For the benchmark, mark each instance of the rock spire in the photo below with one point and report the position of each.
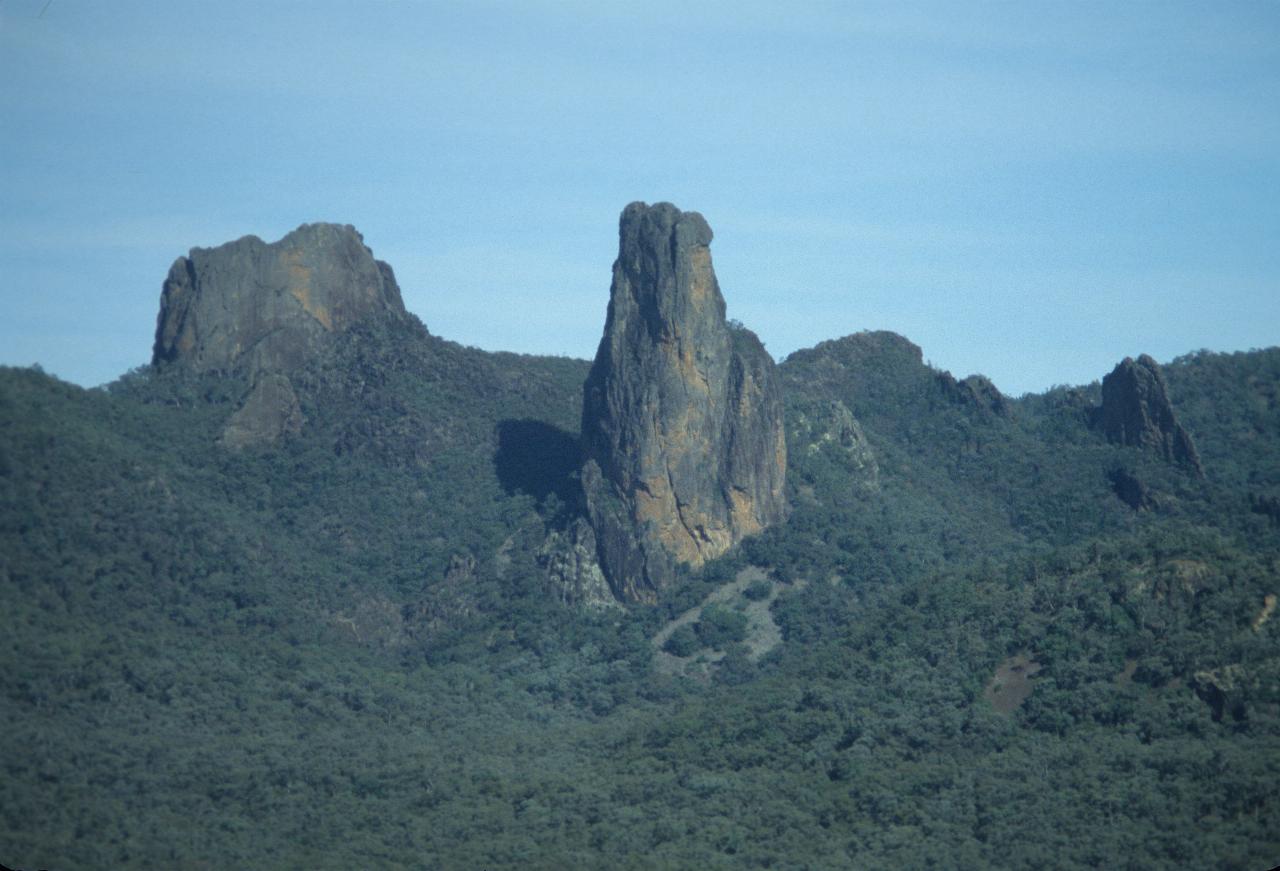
(682, 421)
(1136, 411)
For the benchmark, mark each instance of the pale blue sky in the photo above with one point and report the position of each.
(1028, 190)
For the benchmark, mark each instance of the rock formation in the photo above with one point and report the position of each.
(1136, 411)
(269, 412)
(830, 426)
(264, 310)
(253, 307)
(570, 559)
(975, 391)
(682, 428)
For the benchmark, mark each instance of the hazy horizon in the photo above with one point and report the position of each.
(1031, 192)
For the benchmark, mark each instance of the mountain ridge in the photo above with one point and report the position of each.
(376, 635)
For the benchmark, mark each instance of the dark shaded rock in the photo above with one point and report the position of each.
(569, 558)
(270, 412)
(1136, 411)
(1130, 490)
(682, 428)
(976, 392)
(254, 307)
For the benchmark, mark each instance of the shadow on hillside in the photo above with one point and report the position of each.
(537, 458)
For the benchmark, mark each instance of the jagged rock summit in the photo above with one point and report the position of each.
(254, 307)
(265, 310)
(1136, 411)
(682, 430)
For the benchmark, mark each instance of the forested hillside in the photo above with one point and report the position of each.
(986, 636)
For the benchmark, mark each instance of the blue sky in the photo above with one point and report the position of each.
(1030, 190)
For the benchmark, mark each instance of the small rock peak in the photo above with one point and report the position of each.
(253, 306)
(682, 416)
(1136, 411)
(644, 227)
(975, 391)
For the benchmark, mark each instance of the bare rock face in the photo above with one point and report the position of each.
(573, 568)
(254, 307)
(264, 311)
(270, 412)
(682, 420)
(1136, 411)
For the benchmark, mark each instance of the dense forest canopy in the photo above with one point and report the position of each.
(970, 644)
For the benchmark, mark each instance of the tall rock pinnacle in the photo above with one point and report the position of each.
(682, 421)
(1136, 411)
(256, 307)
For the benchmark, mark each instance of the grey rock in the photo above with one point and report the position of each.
(682, 419)
(270, 412)
(1130, 490)
(253, 307)
(975, 391)
(1136, 411)
(830, 427)
(570, 561)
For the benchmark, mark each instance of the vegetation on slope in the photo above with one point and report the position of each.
(340, 651)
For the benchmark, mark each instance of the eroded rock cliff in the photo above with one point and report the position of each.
(682, 420)
(1136, 411)
(264, 310)
(254, 307)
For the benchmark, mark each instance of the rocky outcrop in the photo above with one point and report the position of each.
(252, 307)
(682, 427)
(1136, 411)
(570, 559)
(1131, 491)
(818, 427)
(270, 412)
(975, 391)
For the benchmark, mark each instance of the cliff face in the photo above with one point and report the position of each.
(682, 421)
(264, 310)
(1136, 411)
(255, 307)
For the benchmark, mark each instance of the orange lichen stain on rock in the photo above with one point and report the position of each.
(300, 289)
(186, 341)
(699, 537)
(655, 504)
(703, 277)
(742, 512)
(1268, 606)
